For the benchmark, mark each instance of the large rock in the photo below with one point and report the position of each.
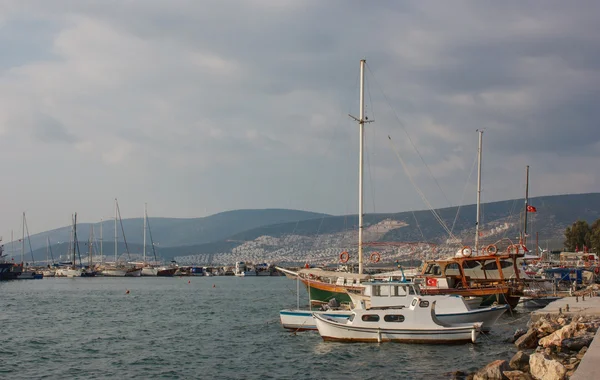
(517, 375)
(581, 353)
(547, 327)
(543, 368)
(518, 333)
(556, 338)
(492, 371)
(577, 343)
(520, 362)
(528, 340)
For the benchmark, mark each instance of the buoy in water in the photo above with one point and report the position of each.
(214, 286)
(127, 291)
(189, 281)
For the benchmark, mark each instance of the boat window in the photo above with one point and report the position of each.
(394, 318)
(452, 269)
(424, 304)
(376, 290)
(469, 264)
(429, 269)
(399, 291)
(491, 266)
(370, 318)
(351, 318)
(385, 290)
(506, 264)
(414, 302)
(411, 290)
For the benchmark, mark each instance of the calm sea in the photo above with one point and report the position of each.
(209, 328)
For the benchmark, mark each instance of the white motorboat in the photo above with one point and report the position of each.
(450, 309)
(149, 271)
(414, 324)
(133, 272)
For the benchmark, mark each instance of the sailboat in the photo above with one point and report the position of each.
(72, 270)
(325, 285)
(115, 270)
(49, 271)
(29, 273)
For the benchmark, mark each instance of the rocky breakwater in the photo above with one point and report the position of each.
(550, 348)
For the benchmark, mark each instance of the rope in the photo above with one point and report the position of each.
(423, 197)
(409, 138)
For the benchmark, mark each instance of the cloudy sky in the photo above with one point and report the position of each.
(198, 107)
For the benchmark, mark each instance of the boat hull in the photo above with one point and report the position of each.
(137, 272)
(303, 319)
(114, 273)
(149, 271)
(331, 330)
(167, 272)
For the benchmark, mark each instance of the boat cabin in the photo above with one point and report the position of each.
(385, 293)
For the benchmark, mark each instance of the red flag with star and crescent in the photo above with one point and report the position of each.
(530, 208)
(430, 281)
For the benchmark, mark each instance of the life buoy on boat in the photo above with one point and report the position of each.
(511, 248)
(344, 257)
(466, 251)
(375, 257)
(491, 249)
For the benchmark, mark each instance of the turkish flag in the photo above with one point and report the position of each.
(430, 281)
(531, 208)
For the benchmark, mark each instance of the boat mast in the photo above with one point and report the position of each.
(526, 204)
(23, 242)
(75, 238)
(145, 217)
(91, 243)
(478, 189)
(116, 231)
(101, 236)
(361, 127)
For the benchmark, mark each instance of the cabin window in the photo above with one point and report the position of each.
(429, 269)
(411, 290)
(424, 304)
(471, 264)
(399, 291)
(370, 318)
(506, 264)
(385, 291)
(414, 302)
(491, 266)
(351, 318)
(376, 290)
(394, 318)
(453, 269)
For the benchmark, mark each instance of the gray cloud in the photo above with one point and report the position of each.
(207, 95)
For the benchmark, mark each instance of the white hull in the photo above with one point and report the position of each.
(246, 273)
(149, 272)
(134, 273)
(114, 272)
(334, 331)
(48, 273)
(304, 320)
(62, 272)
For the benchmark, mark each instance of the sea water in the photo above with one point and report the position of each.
(200, 328)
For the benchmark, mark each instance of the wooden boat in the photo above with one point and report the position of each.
(415, 324)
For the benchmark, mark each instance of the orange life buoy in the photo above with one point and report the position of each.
(511, 247)
(375, 257)
(344, 257)
(491, 249)
(466, 251)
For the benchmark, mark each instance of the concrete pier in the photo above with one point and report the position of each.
(578, 306)
(571, 306)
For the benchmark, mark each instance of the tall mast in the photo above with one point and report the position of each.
(361, 127)
(23, 242)
(145, 217)
(91, 246)
(101, 236)
(478, 189)
(75, 238)
(47, 250)
(116, 231)
(526, 204)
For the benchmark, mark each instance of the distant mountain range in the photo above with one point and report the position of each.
(231, 232)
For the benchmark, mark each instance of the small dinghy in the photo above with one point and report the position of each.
(414, 324)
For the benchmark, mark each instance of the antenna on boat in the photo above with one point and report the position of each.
(480, 131)
(361, 123)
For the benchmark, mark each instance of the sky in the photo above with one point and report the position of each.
(198, 107)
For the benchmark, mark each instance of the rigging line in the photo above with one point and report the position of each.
(423, 197)
(29, 240)
(408, 136)
(123, 229)
(370, 177)
(463, 194)
(151, 240)
(418, 225)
